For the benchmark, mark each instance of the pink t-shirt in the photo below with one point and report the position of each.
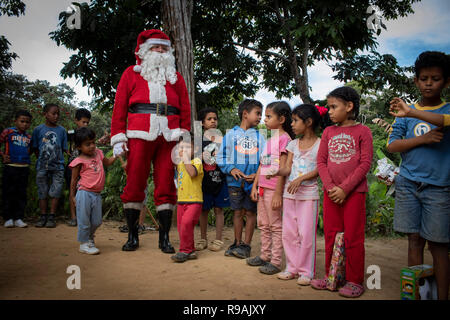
(270, 159)
(92, 174)
(303, 162)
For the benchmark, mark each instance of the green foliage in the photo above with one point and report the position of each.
(239, 46)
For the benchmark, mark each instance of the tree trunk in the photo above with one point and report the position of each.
(176, 15)
(301, 80)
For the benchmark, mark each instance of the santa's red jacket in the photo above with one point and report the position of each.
(133, 89)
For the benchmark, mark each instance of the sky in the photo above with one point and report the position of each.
(40, 57)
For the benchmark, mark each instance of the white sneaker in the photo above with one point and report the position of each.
(9, 224)
(85, 248)
(19, 223)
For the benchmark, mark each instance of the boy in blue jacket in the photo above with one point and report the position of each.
(238, 158)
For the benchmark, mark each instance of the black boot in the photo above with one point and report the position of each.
(132, 216)
(165, 221)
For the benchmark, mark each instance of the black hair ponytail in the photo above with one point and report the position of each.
(282, 108)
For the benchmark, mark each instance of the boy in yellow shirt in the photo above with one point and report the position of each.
(189, 198)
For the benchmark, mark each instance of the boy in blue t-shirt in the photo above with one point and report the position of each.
(16, 158)
(49, 141)
(421, 133)
(238, 158)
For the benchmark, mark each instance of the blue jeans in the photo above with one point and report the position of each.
(89, 214)
(422, 208)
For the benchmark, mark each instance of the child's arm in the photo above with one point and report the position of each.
(254, 193)
(191, 170)
(322, 160)
(396, 143)
(358, 173)
(295, 184)
(277, 199)
(398, 108)
(73, 182)
(109, 161)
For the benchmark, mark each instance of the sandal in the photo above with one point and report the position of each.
(201, 245)
(269, 268)
(123, 228)
(351, 290)
(319, 284)
(255, 261)
(304, 280)
(216, 245)
(286, 275)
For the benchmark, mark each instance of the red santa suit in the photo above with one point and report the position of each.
(150, 137)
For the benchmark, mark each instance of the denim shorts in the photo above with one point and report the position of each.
(422, 208)
(49, 183)
(239, 199)
(221, 200)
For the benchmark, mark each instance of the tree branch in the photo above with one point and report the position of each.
(269, 53)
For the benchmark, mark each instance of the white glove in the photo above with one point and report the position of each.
(119, 148)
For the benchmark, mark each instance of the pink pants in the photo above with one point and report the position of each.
(270, 224)
(350, 218)
(299, 235)
(187, 217)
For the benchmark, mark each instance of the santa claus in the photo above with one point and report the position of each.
(150, 111)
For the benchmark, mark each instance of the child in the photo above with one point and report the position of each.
(278, 119)
(238, 158)
(16, 158)
(82, 119)
(343, 160)
(189, 198)
(88, 174)
(301, 195)
(214, 185)
(49, 141)
(422, 189)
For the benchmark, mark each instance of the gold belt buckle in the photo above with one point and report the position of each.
(158, 110)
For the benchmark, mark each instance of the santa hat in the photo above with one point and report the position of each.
(153, 37)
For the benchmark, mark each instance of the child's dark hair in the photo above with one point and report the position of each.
(429, 59)
(82, 113)
(248, 105)
(24, 113)
(82, 134)
(347, 94)
(308, 111)
(48, 106)
(202, 113)
(187, 137)
(282, 108)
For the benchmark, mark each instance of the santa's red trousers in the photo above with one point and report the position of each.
(140, 156)
(187, 217)
(350, 218)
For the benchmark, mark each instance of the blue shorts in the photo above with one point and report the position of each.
(422, 208)
(221, 200)
(239, 199)
(49, 183)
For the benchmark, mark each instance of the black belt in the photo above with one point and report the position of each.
(161, 109)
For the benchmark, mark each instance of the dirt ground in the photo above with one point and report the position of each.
(34, 261)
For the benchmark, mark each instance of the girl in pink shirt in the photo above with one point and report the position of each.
(344, 158)
(88, 176)
(301, 195)
(270, 192)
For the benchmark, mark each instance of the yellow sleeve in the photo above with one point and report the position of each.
(446, 120)
(197, 163)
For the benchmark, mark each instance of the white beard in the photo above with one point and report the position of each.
(157, 67)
